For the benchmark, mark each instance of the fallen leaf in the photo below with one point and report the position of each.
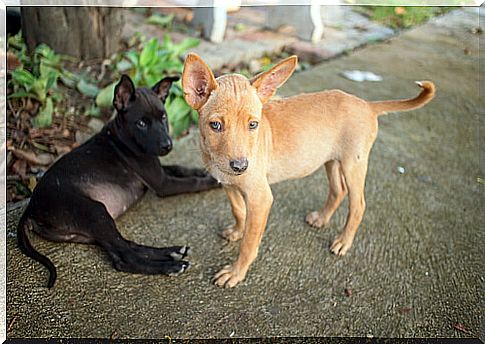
(400, 10)
(62, 149)
(12, 322)
(88, 89)
(404, 310)
(12, 61)
(66, 133)
(43, 159)
(460, 327)
(348, 292)
(19, 167)
(32, 183)
(476, 30)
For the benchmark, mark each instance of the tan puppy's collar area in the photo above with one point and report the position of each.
(263, 142)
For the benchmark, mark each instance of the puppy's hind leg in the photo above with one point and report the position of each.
(126, 255)
(336, 193)
(238, 207)
(90, 223)
(355, 173)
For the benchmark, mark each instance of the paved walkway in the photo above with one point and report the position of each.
(246, 38)
(416, 267)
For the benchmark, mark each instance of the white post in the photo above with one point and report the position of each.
(306, 19)
(212, 18)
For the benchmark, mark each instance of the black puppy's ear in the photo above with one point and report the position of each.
(124, 92)
(162, 87)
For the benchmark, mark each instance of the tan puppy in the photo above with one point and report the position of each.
(249, 142)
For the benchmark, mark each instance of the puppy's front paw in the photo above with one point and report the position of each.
(229, 277)
(177, 268)
(212, 182)
(232, 233)
(315, 219)
(200, 172)
(341, 245)
(181, 253)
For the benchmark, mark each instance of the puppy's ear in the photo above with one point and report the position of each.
(162, 87)
(124, 93)
(267, 82)
(197, 81)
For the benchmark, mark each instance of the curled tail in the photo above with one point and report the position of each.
(29, 250)
(428, 92)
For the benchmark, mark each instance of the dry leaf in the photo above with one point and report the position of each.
(12, 61)
(20, 168)
(32, 183)
(400, 10)
(62, 149)
(43, 159)
(460, 327)
(348, 292)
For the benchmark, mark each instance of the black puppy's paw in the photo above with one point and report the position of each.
(212, 182)
(181, 253)
(177, 268)
(200, 172)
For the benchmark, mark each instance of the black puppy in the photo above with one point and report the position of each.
(80, 195)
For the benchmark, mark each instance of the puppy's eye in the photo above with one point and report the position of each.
(141, 124)
(217, 126)
(253, 125)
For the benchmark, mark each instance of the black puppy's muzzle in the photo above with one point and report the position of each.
(166, 147)
(239, 165)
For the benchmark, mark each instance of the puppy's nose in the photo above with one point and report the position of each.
(239, 165)
(167, 145)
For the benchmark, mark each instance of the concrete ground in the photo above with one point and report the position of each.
(416, 266)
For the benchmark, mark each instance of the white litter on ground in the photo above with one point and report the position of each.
(359, 76)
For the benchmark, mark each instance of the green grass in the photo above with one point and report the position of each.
(402, 17)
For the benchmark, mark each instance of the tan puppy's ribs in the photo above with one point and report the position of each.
(249, 142)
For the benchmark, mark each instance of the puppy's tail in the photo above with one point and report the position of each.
(24, 243)
(427, 93)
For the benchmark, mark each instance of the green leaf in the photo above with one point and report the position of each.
(187, 43)
(22, 189)
(162, 21)
(44, 117)
(132, 55)
(182, 124)
(22, 94)
(123, 65)
(149, 53)
(179, 115)
(176, 107)
(88, 89)
(105, 96)
(69, 79)
(39, 89)
(40, 146)
(194, 115)
(94, 111)
(51, 82)
(23, 77)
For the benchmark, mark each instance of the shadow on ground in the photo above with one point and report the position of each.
(416, 267)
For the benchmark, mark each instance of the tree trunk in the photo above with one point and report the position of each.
(82, 32)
